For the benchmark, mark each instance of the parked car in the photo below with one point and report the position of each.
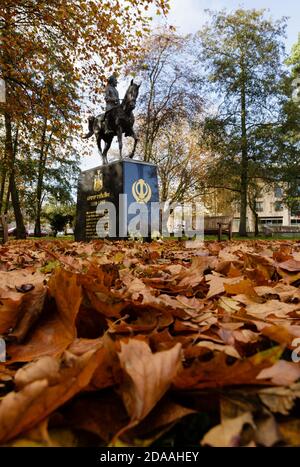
(44, 233)
(30, 233)
(13, 230)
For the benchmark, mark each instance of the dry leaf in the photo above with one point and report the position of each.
(20, 411)
(280, 399)
(148, 376)
(44, 368)
(229, 432)
(282, 373)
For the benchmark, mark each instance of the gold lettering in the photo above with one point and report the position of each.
(99, 196)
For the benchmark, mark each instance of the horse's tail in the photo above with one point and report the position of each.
(91, 122)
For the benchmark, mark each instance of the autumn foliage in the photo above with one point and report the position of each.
(133, 344)
(55, 57)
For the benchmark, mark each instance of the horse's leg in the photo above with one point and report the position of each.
(99, 146)
(91, 125)
(106, 149)
(119, 133)
(135, 143)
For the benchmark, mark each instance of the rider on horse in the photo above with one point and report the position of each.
(112, 100)
(117, 120)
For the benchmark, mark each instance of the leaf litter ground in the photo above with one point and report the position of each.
(162, 344)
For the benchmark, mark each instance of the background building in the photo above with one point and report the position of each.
(271, 209)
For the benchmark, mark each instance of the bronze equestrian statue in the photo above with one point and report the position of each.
(117, 119)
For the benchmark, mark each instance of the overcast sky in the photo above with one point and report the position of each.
(189, 15)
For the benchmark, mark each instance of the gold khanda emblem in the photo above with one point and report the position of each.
(98, 181)
(141, 191)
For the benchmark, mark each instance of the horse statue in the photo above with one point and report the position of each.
(115, 122)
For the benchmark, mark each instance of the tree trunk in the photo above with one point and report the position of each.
(8, 192)
(7, 198)
(21, 231)
(256, 218)
(2, 186)
(9, 155)
(3, 164)
(256, 233)
(37, 224)
(243, 210)
(3, 173)
(147, 144)
(244, 164)
(39, 188)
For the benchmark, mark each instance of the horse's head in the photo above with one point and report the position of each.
(131, 96)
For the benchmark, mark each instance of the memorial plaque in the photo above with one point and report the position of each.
(100, 188)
